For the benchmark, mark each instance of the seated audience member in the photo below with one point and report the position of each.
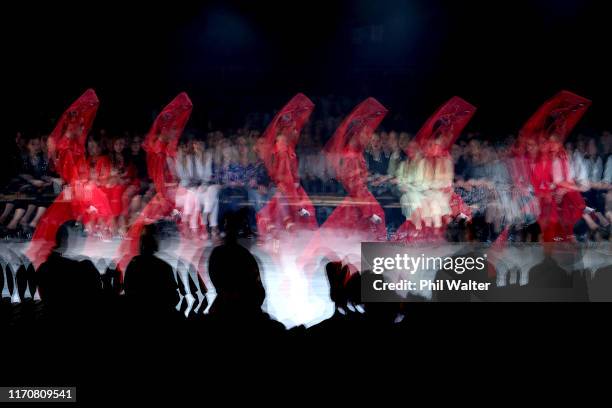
(379, 181)
(207, 196)
(136, 196)
(121, 177)
(35, 187)
(234, 272)
(186, 196)
(69, 289)
(235, 173)
(343, 321)
(150, 286)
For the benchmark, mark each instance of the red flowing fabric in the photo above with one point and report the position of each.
(281, 163)
(446, 123)
(160, 144)
(344, 151)
(558, 116)
(67, 151)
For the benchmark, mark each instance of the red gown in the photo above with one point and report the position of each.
(556, 117)
(161, 146)
(446, 123)
(281, 163)
(344, 152)
(80, 198)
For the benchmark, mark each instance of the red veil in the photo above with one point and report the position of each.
(290, 120)
(67, 140)
(67, 149)
(282, 166)
(449, 120)
(162, 140)
(160, 143)
(558, 115)
(365, 116)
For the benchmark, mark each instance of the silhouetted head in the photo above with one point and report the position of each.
(63, 236)
(336, 275)
(234, 272)
(148, 240)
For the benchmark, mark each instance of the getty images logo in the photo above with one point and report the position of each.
(412, 264)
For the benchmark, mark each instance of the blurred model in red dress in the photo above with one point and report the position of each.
(81, 198)
(161, 146)
(555, 186)
(359, 217)
(290, 206)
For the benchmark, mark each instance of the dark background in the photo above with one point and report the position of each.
(506, 57)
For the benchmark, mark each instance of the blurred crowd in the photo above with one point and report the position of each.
(222, 172)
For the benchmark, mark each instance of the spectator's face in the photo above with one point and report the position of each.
(119, 145)
(474, 147)
(375, 142)
(259, 146)
(554, 145)
(198, 147)
(93, 148)
(592, 148)
(384, 139)
(34, 146)
(243, 147)
(19, 140)
(393, 143)
(502, 152)
(412, 149)
(404, 141)
(532, 148)
(227, 153)
(135, 145)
